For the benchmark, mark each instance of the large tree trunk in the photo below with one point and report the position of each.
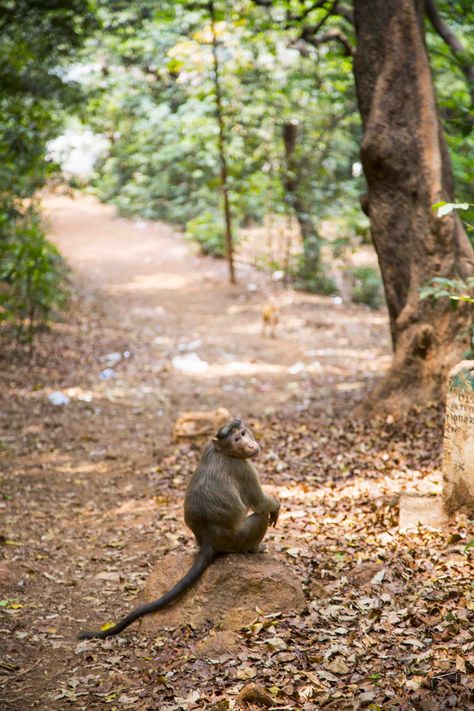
(408, 170)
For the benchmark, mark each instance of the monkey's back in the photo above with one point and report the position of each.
(213, 494)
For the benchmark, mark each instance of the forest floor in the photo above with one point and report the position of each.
(91, 491)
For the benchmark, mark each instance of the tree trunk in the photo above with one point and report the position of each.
(408, 170)
(221, 147)
(309, 234)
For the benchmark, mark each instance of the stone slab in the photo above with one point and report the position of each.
(458, 454)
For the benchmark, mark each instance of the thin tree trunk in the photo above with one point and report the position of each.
(408, 170)
(221, 147)
(309, 235)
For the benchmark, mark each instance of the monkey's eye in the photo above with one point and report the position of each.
(243, 433)
(236, 439)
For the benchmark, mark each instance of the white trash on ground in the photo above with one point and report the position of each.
(58, 398)
(190, 363)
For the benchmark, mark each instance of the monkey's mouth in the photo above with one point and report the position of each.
(253, 452)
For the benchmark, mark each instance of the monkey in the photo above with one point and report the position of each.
(270, 318)
(221, 492)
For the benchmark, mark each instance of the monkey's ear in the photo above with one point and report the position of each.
(217, 443)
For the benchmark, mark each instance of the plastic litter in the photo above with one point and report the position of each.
(112, 359)
(58, 398)
(190, 363)
(297, 368)
(107, 374)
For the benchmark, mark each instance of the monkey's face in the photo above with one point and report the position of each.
(243, 444)
(236, 441)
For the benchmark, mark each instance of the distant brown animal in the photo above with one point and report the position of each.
(224, 487)
(270, 319)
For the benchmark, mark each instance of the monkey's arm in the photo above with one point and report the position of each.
(256, 499)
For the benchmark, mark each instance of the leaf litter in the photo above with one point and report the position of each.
(389, 616)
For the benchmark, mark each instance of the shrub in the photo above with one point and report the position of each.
(208, 231)
(32, 274)
(309, 274)
(315, 282)
(457, 291)
(367, 288)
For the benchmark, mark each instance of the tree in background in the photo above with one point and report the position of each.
(408, 170)
(158, 105)
(35, 40)
(221, 141)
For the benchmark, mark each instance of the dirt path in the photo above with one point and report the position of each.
(173, 303)
(92, 490)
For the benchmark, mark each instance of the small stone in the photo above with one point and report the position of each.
(10, 575)
(363, 574)
(255, 694)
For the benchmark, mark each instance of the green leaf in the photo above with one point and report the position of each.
(447, 207)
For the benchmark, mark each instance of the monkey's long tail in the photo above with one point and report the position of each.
(204, 558)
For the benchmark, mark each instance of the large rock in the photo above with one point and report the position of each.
(225, 598)
(458, 459)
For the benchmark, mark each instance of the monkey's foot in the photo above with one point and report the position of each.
(262, 548)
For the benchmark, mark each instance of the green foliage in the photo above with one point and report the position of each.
(456, 290)
(156, 101)
(367, 288)
(453, 289)
(309, 274)
(32, 275)
(38, 37)
(317, 282)
(445, 208)
(208, 231)
(453, 92)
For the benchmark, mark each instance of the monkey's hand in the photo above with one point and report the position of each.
(273, 518)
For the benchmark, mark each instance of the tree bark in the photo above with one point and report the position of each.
(309, 234)
(408, 170)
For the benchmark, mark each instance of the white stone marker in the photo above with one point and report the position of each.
(458, 458)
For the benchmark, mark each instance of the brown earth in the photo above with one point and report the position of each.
(91, 492)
